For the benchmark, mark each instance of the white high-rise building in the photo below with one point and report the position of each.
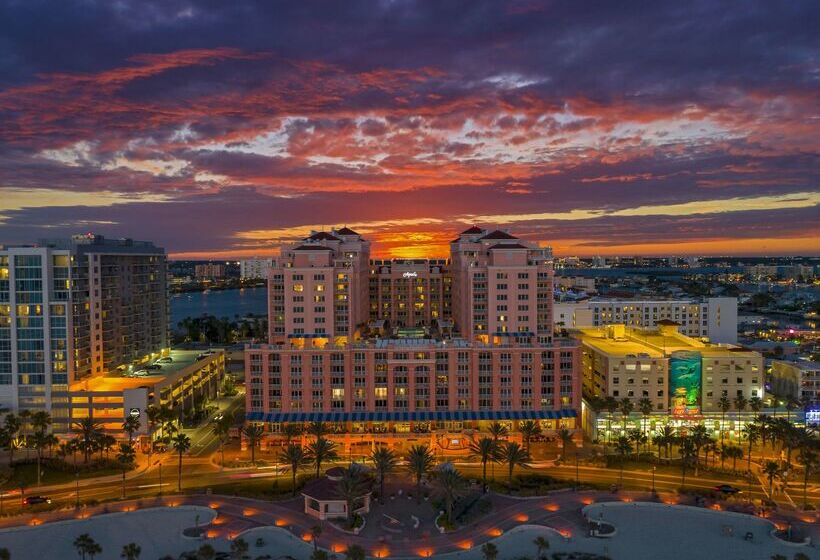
(74, 309)
(251, 269)
(714, 318)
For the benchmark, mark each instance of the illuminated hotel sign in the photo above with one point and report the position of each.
(410, 275)
(685, 383)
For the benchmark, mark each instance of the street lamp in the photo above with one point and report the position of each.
(77, 478)
(577, 476)
(159, 462)
(654, 468)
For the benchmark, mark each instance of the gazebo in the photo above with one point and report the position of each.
(323, 502)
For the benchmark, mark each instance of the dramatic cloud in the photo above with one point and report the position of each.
(225, 129)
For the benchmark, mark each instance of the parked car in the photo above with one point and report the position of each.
(165, 360)
(153, 367)
(728, 489)
(34, 500)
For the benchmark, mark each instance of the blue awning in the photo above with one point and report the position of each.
(416, 416)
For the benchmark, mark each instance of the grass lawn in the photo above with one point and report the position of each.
(266, 489)
(26, 475)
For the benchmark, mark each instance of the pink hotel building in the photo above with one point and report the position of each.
(401, 345)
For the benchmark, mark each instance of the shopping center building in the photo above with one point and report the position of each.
(683, 378)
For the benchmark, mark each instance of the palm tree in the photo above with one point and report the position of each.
(449, 485)
(125, 458)
(253, 433)
(658, 441)
(385, 462)
(687, 450)
(321, 451)
(756, 404)
(700, 437)
(752, 434)
(724, 404)
(529, 429)
(734, 453)
(131, 426)
(291, 430)
(513, 455)
(634, 436)
(205, 552)
(238, 548)
(625, 407)
(771, 469)
(490, 551)
(351, 486)
(497, 430)
(11, 426)
(222, 429)
(740, 403)
(808, 457)
(131, 551)
(611, 405)
(315, 532)
(645, 407)
(709, 447)
(667, 433)
(181, 443)
(541, 544)
(104, 444)
(40, 440)
(86, 545)
(296, 457)
(420, 461)
(354, 552)
(622, 448)
(485, 450)
(317, 429)
(89, 432)
(566, 440)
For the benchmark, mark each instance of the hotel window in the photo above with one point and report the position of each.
(298, 288)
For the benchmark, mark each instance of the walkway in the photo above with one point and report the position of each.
(560, 511)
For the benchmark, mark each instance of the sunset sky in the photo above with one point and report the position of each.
(221, 129)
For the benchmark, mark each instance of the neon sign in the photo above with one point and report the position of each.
(410, 275)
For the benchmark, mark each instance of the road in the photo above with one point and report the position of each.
(200, 473)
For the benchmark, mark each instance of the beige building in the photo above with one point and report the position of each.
(714, 318)
(178, 383)
(796, 380)
(623, 362)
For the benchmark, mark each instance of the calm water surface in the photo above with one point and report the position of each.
(222, 303)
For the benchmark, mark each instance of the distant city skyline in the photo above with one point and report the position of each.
(223, 131)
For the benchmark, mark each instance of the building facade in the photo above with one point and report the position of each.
(73, 309)
(254, 269)
(209, 271)
(502, 286)
(799, 381)
(410, 292)
(443, 362)
(713, 318)
(318, 288)
(681, 376)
